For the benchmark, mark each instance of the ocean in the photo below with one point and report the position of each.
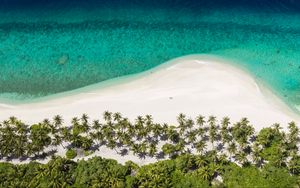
(52, 46)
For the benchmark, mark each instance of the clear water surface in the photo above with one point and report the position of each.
(48, 47)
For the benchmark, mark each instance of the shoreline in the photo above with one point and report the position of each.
(192, 85)
(160, 81)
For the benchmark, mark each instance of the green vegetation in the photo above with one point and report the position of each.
(71, 154)
(203, 152)
(185, 171)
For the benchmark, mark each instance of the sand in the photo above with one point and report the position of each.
(193, 85)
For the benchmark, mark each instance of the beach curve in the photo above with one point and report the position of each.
(193, 85)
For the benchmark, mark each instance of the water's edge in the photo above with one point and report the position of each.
(266, 90)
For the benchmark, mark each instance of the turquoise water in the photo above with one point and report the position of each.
(52, 47)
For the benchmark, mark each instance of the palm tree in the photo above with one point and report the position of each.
(181, 119)
(294, 164)
(149, 122)
(46, 121)
(293, 129)
(57, 140)
(164, 130)
(241, 157)
(168, 149)
(180, 147)
(6, 123)
(13, 120)
(191, 136)
(7, 143)
(111, 144)
(75, 121)
(172, 134)
(142, 133)
(232, 148)
(277, 127)
(20, 146)
(125, 139)
(131, 130)
(66, 135)
(225, 122)
(96, 125)
(157, 130)
(21, 139)
(281, 155)
(107, 131)
(86, 142)
(57, 120)
(256, 153)
(135, 148)
(53, 127)
(222, 159)
(214, 169)
(242, 131)
(190, 123)
(200, 120)
(84, 127)
(139, 123)
(98, 136)
(182, 123)
(212, 129)
(205, 172)
(212, 121)
(200, 146)
(117, 117)
(84, 118)
(200, 161)
(200, 132)
(107, 116)
(143, 148)
(152, 149)
(293, 137)
(225, 132)
(40, 139)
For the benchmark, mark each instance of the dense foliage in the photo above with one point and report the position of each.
(202, 153)
(185, 171)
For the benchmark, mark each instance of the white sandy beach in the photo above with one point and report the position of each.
(192, 85)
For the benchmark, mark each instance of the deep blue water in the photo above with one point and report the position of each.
(47, 47)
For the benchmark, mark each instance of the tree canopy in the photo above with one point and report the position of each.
(205, 152)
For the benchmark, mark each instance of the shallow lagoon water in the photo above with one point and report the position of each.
(49, 47)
